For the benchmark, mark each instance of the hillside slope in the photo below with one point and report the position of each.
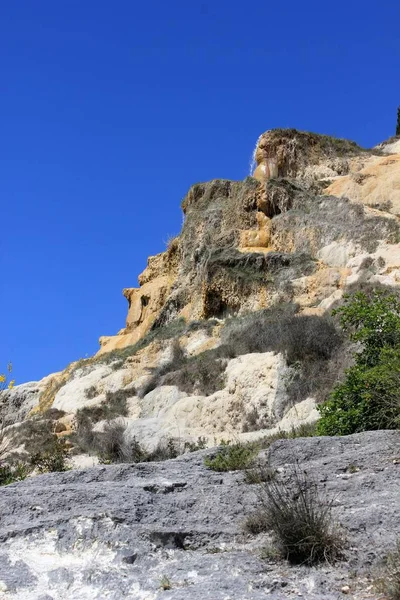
(319, 217)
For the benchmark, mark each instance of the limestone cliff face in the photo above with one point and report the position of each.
(318, 217)
(286, 234)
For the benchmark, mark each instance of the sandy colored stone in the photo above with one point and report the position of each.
(377, 185)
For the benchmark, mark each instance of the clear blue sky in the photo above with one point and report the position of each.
(109, 111)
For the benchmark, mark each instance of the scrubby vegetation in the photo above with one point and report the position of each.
(201, 374)
(114, 405)
(243, 455)
(312, 345)
(369, 396)
(300, 519)
(398, 122)
(112, 444)
(232, 457)
(13, 473)
(52, 460)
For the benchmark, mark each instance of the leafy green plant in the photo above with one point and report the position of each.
(369, 397)
(232, 457)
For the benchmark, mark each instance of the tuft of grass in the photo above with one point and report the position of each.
(232, 457)
(303, 430)
(256, 522)
(261, 472)
(300, 519)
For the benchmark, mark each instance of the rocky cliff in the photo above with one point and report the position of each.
(318, 217)
(229, 337)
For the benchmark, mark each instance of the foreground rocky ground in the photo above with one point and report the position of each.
(174, 529)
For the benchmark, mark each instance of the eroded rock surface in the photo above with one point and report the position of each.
(129, 531)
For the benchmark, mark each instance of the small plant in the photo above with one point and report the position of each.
(300, 519)
(201, 444)
(260, 473)
(165, 583)
(303, 430)
(52, 460)
(389, 582)
(398, 122)
(91, 392)
(235, 457)
(256, 522)
(165, 450)
(11, 474)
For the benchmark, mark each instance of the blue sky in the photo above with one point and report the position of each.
(109, 111)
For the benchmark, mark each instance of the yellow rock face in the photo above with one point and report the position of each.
(250, 239)
(267, 168)
(145, 303)
(377, 185)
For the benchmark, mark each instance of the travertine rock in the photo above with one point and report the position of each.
(290, 238)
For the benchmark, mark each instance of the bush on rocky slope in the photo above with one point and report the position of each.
(369, 397)
(300, 519)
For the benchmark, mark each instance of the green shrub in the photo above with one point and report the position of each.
(52, 460)
(303, 430)
(300, 519)
(369, 397)
(12, 473)
(232, 457)
(200, 444)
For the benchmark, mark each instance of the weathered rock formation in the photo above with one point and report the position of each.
(319, 217)
(174, 530)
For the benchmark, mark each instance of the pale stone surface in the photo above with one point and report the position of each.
(115, 531)
(72, 395)
(376, 185)
(336, 254)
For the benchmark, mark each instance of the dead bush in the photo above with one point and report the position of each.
(261, 472)
(115, 405)
(111, 445)
(300, 338)
(300, 519)
(202, 374)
